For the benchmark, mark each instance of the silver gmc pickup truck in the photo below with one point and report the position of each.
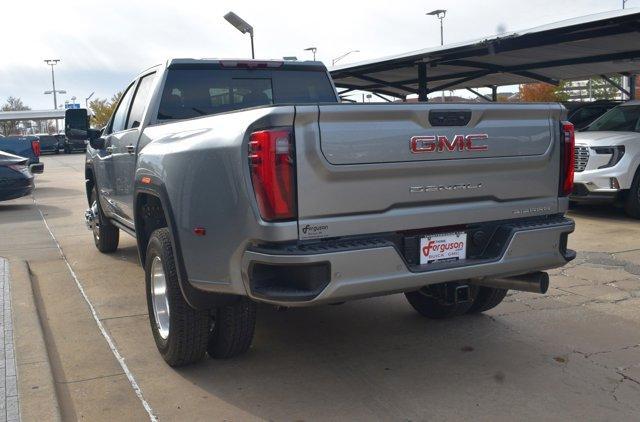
(247, 181)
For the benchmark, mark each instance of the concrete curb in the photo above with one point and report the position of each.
(36, 387)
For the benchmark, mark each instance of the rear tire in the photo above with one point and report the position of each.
(487, 298)
(632, 201)
(106, 236)
(233, 329)
(430, 303)
(180, 331)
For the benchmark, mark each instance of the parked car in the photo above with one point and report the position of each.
(15, 178)
(71, 145)
(581, 114)
(247, 181)
(24, 146)
(49, 143)
(607, 159)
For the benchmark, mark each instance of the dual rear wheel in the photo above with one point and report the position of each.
(185, 335)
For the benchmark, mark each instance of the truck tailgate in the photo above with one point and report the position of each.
(377, 168)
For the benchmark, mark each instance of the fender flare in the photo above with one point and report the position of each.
(196, 298)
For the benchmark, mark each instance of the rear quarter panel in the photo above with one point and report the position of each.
(203, 165)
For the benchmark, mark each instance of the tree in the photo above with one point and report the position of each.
(603, 90)
(541, 92)
(103, 109)
(12, 104)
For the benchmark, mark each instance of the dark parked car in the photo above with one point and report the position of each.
(49, 143)
(70, 145)
(15, 178)
(583, 114)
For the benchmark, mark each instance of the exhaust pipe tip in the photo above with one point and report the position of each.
(544, 282)
(537, 282)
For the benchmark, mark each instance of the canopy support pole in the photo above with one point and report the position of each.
(473, 91)
(494, 93)
(615, 84)
(632, 86)
(422, 82)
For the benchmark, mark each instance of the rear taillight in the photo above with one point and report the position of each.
(35, 146)
(273, 173)
(567, 160)
(20, 168)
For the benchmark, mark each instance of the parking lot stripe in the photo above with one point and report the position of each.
(105, 334)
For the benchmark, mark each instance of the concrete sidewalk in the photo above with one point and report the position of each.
(66, 369)
(9, 405)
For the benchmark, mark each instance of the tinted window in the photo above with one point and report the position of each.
(204, 90)
(120, 115)
(140, 100)
(621, 119)
(586, 115)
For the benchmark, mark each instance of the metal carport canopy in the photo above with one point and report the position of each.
(601, 44)
(31, 115)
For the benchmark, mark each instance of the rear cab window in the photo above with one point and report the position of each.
(193, 90)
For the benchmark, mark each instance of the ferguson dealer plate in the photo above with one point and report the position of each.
(443, 247)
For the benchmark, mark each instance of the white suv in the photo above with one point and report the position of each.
(607, 157)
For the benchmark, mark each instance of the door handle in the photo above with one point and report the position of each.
(131, 149)
(110, 149)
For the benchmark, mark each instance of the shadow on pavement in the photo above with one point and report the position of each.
(607, 211)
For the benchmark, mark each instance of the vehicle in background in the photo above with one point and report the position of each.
(607, 159)
(15, 178)
(71, 145)
(581, 114)
(24, 146)
(246, 181)
(48, 143)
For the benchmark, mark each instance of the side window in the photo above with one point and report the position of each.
(140, 100)
(120, 115)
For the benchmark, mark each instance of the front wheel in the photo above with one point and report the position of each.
(632, 201)
(106, 236)
(180, 331)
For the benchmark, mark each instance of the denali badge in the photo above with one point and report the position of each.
(439, 188)
(532, 210)
(440, 143)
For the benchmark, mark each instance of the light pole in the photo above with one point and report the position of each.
(86, 100)
(440, 14)
(624, 2)
(334, 61)
(241, 26)
(313, 50)
(53, 62)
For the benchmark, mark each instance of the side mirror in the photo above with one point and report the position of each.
(76, 124)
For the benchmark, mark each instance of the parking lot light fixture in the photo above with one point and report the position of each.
(241, 26)
(440, 14)
(313, 50)
(334, 61)
(86, 100)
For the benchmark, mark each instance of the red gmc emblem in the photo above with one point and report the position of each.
(440, 143)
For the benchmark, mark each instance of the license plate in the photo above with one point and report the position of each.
(443, 247)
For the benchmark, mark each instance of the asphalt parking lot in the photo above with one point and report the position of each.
(571, 354)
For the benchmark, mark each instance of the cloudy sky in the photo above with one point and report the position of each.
(103, 44)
